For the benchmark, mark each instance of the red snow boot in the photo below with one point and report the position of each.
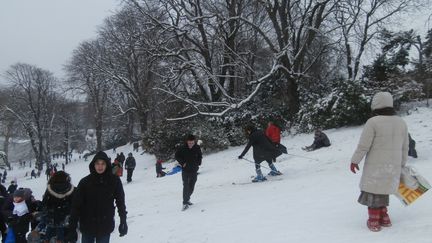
(384, 218)
(374, 217)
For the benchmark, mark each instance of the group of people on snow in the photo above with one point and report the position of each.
(382, 167)
(64, 206)
(90, 204)
(121, 162)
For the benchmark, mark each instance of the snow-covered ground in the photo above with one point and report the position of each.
(315, 200)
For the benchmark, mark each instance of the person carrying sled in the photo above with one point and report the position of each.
(320, 140)
(56, 207)
(263, 150)
(189, 157)
(130, 165)
(93, 204)
(159, 169)
(384, 142)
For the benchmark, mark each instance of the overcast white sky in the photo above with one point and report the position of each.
(45, 32)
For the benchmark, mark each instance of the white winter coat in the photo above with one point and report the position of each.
(384, 141)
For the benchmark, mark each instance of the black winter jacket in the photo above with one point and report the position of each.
(130, 163)
(189, 158)
(57, 204)
(93, 202)
(263, 148)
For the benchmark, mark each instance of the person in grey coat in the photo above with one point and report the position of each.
(384, 143)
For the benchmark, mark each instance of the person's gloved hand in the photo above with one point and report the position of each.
(240, 157)
(71, 236)
(354, 167)
(123, 228)
(13, 219)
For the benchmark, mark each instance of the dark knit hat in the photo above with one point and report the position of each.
(19, 193)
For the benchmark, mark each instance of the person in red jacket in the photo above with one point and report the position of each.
(273, 132)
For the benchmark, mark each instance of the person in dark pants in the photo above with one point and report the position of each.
(320, 140)
(130, 167)
(189, 157)
(273, 132)
(263, 149)
(18, 210)
(3, 196)
(411, 147)
(159, 169)
(12, 187)
(121, 159)
(93, 204)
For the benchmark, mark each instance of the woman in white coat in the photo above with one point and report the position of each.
(384, 142)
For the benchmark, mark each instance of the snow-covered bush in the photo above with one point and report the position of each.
(345, 105)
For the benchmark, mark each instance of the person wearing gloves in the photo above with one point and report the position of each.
(18, 211)
(93, 204)
(189, 157)
(384, 142)
(263, 149)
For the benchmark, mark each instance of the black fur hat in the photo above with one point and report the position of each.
(59, 177)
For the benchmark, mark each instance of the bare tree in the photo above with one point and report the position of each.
(129, 61)
(85, 75)
(360, 21)
(208, 37)
(34, 96)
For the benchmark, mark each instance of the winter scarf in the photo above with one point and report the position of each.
(20, 208)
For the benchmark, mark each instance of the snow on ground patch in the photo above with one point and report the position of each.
(315, 200)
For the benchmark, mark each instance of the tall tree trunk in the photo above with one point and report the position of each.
(99, 127)
(143, 123)
(7, 136)
(293, 96)
(66, 142)
(130, 125)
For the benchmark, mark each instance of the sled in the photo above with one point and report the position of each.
(174, 170)
(412, 187)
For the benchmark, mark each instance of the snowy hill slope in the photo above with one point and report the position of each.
(314, 201)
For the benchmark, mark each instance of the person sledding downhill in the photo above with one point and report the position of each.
(263, 149)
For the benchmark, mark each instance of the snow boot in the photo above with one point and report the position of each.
(189, 203)
(185, 206)
(384, 218)
(259, 176)
(274, 171)
(373, 222)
